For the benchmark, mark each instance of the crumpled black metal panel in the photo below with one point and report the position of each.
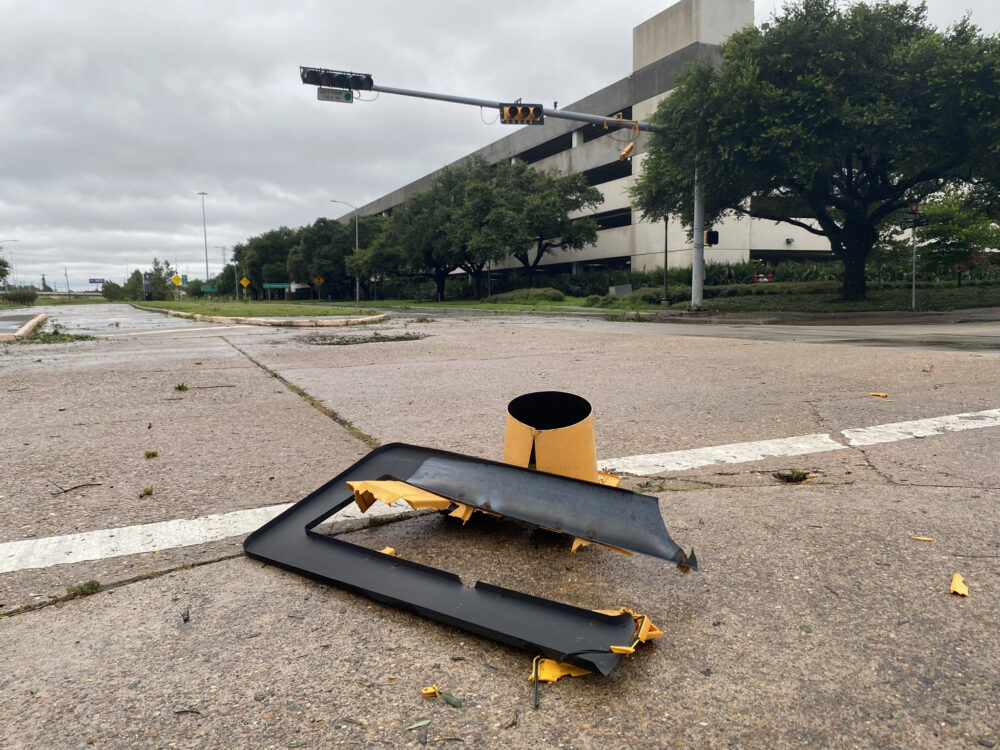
(557, 631)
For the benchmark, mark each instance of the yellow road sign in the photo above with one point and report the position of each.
(177, 280)
(245, 282)
(318, 280)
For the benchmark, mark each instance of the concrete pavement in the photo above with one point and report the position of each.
(818, 620)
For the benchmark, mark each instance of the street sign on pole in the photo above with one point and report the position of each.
(96, 281)
(177, 280)
(335, 95)
(209, 287)
(276, 285)
(245, 282)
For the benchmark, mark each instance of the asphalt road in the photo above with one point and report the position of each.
(821, 617)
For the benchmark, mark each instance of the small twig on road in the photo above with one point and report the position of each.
(63, 490)
(195, 387)
(180, 711)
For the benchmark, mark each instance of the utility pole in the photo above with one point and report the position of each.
(698, 261)
(357, 281)
(204, 229)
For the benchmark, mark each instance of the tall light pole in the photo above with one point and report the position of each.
(357, 281)
(204, 229)
(10, 271)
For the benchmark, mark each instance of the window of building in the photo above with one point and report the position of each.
(620, 217)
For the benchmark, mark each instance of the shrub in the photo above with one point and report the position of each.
(528, 296)
(19, 296)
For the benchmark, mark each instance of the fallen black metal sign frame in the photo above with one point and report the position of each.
(558, 631)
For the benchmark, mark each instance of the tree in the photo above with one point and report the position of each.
(4, 270)
(109, 290)
(539, 206)
(419, 232)
(830, 120)
(957, 237)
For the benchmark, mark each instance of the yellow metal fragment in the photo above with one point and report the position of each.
(389, 551)
(958, 585)
(608, 479)
(463, 511)
(580, 542)
(922, 538)
(880, 395)
(550, 670)
(390, 490)
(622, 650)
(430, 692)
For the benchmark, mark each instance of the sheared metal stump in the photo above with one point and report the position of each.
(583, 509)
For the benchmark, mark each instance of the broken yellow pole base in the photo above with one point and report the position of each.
(550, 670)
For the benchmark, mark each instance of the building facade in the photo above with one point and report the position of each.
(661, 47)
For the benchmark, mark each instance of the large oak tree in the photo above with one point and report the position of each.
(831, 119)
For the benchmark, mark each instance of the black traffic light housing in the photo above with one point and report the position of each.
(522, 114)
(336, 79)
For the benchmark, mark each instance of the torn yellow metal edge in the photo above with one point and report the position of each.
(389, 551)
(430, 692)
(462, 511)
(366, 493)
(608, 479)
(958, 585)
(580, 542)
(550, 670)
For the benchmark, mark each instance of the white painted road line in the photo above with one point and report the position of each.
(131, 540)
(189, 329)
(737, 453)
(890, 433)
(150, 537)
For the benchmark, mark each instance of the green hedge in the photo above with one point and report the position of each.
(18, 296)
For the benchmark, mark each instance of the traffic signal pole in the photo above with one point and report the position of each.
(612, 123)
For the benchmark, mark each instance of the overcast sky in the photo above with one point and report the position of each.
(114, 115)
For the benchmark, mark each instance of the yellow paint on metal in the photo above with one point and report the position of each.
(568, 451)
(580, 542)
(463, 511)
(958, 585)
(389, 551)
(389, 491)
(608, 479)
(550, 670)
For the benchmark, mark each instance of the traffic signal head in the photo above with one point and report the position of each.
(522, 114)
(336, 79)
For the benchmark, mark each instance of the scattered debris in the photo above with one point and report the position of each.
(792, 476)
(186, 614)
(421, 723)
(922, 538)
(879, 395)
(958, 586)
(372, 339)
(180, 711)
(151, 453)
(513, 720)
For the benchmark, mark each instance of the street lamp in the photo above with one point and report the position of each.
(10, 271)
(357, 281)
(204, 229)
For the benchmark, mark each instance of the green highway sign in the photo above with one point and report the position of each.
(209, 288)
(284, 285)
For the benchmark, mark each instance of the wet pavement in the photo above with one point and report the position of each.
(820, 618)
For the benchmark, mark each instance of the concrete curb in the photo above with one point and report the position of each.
(24, 330)
(279, 322)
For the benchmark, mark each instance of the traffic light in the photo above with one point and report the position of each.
(336, 79)
(522, 114)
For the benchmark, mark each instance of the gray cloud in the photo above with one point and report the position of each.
(114, 115)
